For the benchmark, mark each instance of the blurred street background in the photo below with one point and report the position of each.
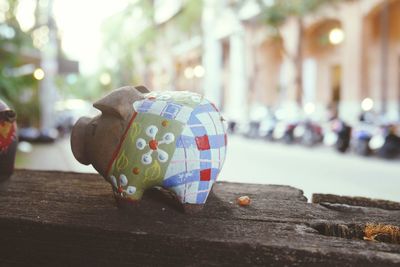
(255, 161)
(310, 89)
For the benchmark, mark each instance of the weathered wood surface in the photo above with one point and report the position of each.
(356, 201)
(70, 219)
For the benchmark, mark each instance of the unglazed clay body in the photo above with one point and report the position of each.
(174, 140)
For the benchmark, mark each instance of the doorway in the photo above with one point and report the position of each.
(336, 80)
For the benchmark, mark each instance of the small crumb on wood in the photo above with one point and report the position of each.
(382, 233)
(243, 201)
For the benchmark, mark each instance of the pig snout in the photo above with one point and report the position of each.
(78, 140)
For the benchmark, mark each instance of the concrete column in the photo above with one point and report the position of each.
(352, 52)
(48, 93)
(212, 53)
(287, 80)
(237, 107)
(384, 47)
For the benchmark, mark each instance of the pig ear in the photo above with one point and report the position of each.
(119, 102)
(142, 89)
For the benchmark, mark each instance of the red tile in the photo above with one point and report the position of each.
(205, 175)
(202, 142)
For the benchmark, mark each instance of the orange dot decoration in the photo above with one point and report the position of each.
(164, 123)
(153, 144)
(136, 170)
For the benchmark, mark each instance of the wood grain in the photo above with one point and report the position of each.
(356, 201)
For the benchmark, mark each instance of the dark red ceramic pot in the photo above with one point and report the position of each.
(8, 140)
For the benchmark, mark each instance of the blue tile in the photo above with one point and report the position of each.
(145, 106)
(168, 115)
(185, 141)
(201, 197)
(205, 165)
(216, 141)
(203, 185)
(182, 178)
(173, 108)
(198, 131)
(214, 173)
(205, 154)
(203, 108)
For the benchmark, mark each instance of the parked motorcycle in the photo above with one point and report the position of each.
(253, 130)
(232, 127)
(308, 133)
(386, 142)
(343, 132)
(360, 140)
(285, 131)
(267, 127)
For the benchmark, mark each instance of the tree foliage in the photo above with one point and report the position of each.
(19, 91)
(126, 35)
(276, 14)
(131, 37)
(189, 19)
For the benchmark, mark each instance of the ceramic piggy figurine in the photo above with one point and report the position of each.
(8, 140)
(173, 140)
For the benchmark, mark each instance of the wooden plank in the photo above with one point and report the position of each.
(57, 218)
(356, 201)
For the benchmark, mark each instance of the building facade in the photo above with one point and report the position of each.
(350, 52)
(350, 58)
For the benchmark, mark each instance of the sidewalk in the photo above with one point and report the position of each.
(55, 156)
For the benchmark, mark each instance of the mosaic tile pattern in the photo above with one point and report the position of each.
(191, 168)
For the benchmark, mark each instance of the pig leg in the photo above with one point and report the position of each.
(176, 199)
(192, 208)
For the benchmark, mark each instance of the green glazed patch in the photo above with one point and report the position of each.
(129, 174)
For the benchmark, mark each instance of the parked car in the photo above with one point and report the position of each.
(34, 135)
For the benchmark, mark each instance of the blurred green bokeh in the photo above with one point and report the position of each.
(18, 91)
